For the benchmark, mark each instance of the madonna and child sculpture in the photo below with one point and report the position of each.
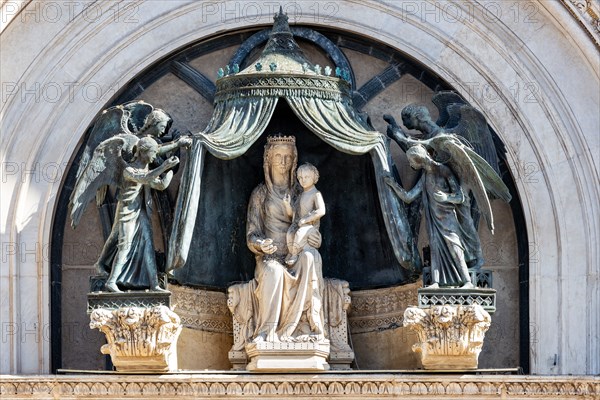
(282, 318)
(289, 297)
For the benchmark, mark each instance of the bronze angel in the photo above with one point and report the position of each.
(123, 156)
(455, 176)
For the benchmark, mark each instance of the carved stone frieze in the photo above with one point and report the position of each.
(139, 339)
(380, 309)
(449, 337)
(347, 386)
(201, 309)
(370, 310)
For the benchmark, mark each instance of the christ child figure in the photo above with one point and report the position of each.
(308, 211)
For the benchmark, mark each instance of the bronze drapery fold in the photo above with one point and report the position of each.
(339, 125)
(222, 139)
(236, 124)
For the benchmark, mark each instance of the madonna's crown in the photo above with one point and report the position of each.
(279, 139)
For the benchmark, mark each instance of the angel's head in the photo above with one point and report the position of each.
(417, 156)
(413, 115)
(147, 149)
(157, 123)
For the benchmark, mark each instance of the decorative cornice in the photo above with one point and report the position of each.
(381, 309)
(587, 13)
(343, 386)
(281, 85)
(201, 309)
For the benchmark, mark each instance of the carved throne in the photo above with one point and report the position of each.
(242, 302)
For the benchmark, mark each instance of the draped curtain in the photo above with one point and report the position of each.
(339, 125)
(236, 124)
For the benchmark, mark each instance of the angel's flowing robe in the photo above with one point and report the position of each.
(130, 241)
(453, 239)
(283, 294)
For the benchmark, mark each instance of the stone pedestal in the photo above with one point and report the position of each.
(140, 339)
(450, 337)
(339, 356)
(287, 357)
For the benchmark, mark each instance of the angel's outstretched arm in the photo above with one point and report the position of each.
(162, 183)
(183, 141)
(152, 177)
(399, 136)
(411, 195)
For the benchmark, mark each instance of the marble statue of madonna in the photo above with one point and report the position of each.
(288, 297)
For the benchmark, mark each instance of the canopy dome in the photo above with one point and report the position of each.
(283, 70)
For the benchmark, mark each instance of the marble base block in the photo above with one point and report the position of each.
(287, 357)
(139, 339)
(449, 337)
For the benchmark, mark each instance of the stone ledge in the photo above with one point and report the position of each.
(351, 385)
(287, 357)
(144, 299)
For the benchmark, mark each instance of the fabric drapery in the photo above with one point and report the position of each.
(233, 128)
(336, 123)
(237, 123)
(339, 125)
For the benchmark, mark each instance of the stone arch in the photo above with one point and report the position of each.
(549, 125)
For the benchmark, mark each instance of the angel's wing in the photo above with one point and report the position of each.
(459, 118)
(112, 121)
(104, 168)
(442, 100)
(491, 180)
(467, 173)
(138, 111)
(472, 126)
